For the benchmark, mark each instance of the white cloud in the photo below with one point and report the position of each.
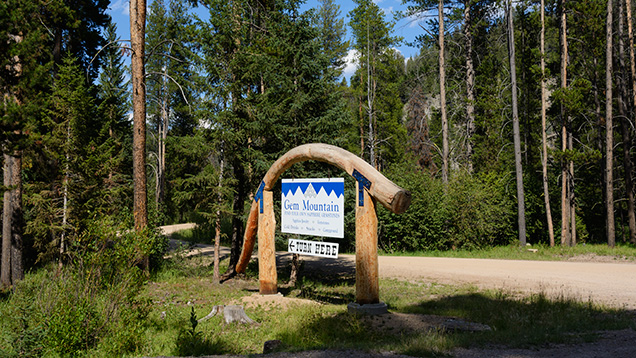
(350, 64)
(121, 6)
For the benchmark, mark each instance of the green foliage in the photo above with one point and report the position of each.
(471, 212)
(193, 343)
(91, 303)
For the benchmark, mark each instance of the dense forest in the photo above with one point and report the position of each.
(513, 124)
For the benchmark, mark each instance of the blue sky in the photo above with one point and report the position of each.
(406, 28)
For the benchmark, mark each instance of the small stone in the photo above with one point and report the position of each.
(272, 346)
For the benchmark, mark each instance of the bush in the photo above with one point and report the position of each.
(474, 212)
(91, 301)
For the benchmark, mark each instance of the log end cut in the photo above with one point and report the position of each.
(401, 201)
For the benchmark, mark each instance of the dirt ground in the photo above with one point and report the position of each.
(608, 281)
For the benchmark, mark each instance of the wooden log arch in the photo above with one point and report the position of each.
(372, 186)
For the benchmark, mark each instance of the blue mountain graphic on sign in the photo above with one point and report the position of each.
(336, 187)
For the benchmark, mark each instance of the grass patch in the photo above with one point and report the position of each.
(183, 290)
(517, 321)
(197, 235)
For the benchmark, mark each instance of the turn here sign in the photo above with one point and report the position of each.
(313, 248)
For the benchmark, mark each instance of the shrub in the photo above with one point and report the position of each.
(473, 212)
(92, 300)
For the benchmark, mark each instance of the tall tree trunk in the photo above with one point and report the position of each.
(544, 141)
(11, 266)
(238, 206)
(370, 102)
(65, 194)
(571, 192)
(137, 42)
(565, 205)
(161, 145)
(623, 100)
(521, 207)
(442, 94)
(361, 120)
(12, 269)
(217, 220)
(7, 215)
(470, 86)
(17, 265)
(632, 63)
(609, 132)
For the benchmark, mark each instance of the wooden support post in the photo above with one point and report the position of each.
(266, 249)
(367, 281)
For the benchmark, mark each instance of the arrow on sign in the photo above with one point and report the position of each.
(291, 246)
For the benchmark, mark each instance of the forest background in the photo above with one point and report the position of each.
(513, 124)
(460, 127)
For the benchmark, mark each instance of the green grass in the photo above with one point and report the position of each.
(517, 321)
(184, 286)
(194, 236)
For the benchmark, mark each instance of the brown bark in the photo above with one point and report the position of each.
(470, 86)
(12, 268)
(295, 268)
(217, 221)
(565, 205)
(367, 273)
(609, 133)
(11, 262)
(521, 207)
(442, 93)
(17, 265)
(137, 41)
(623, 100)
(544, 141)
(267, 274)
(7, 215)
(632, 63)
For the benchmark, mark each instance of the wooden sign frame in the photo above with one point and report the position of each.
(372, 187)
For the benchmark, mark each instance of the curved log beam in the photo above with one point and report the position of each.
(391, 196)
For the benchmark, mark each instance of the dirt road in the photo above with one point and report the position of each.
(611, 283)
(604, 282)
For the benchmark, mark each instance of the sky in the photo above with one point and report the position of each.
(406, 28)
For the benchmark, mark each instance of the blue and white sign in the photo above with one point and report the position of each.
(313, 207)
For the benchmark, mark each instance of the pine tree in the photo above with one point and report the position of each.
(372, 38)
(24, 65)
(116, 130)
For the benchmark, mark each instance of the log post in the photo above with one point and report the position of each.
(367, 281)
(266, 248)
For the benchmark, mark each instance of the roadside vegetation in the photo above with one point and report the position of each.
(103, 305)
(539, 252)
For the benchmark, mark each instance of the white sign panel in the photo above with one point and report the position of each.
(313, 207)
(313, 248)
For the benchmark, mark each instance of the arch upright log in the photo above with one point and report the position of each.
(372, 187)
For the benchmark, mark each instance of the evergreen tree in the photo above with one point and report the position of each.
(171, 87)
(372, 39)
(115, 127)
(24, 66)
